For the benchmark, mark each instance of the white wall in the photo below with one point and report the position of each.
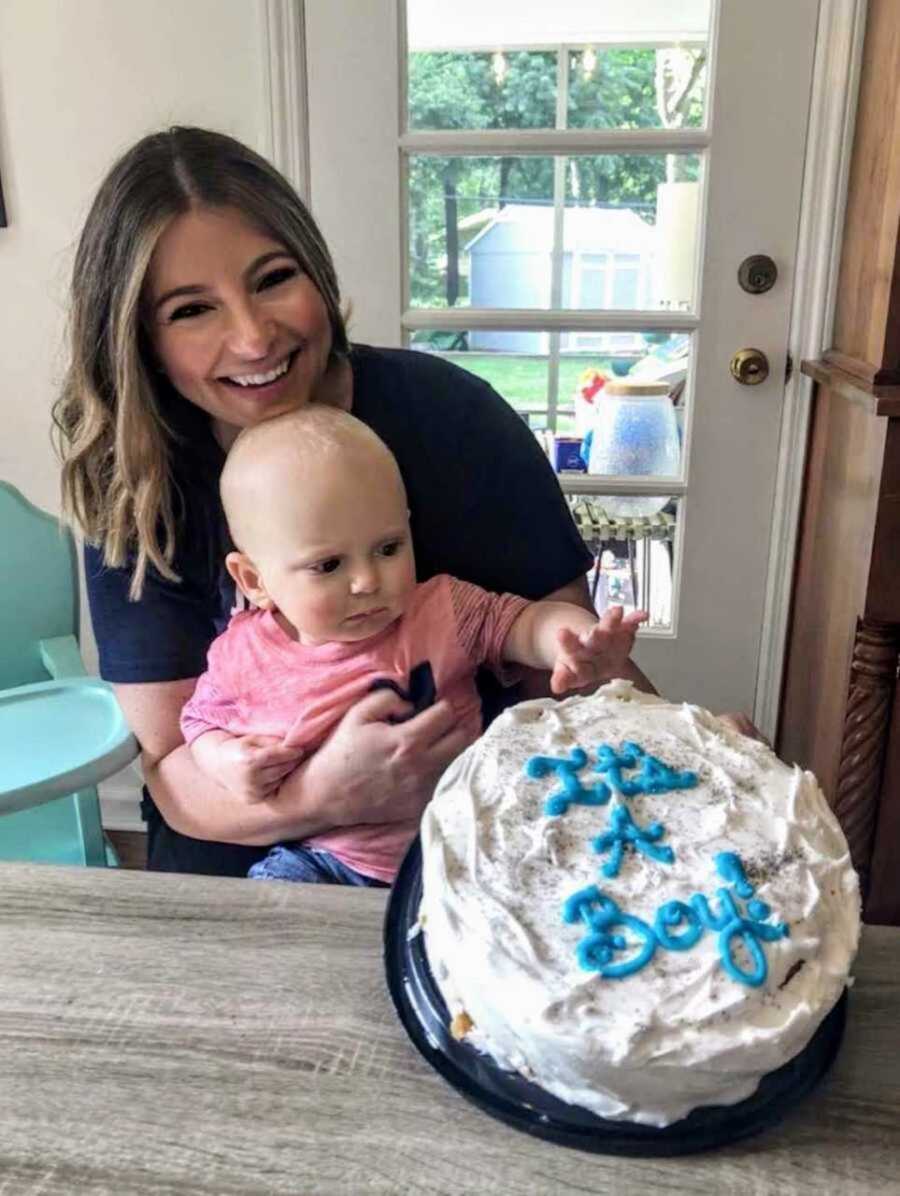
(81, 80)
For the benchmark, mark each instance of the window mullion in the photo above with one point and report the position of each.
(557, 254)
(540, 142)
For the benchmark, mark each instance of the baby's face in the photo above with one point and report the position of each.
(340, 566)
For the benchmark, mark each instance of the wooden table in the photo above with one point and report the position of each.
(163, 1034)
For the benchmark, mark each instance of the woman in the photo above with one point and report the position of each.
(204, 300)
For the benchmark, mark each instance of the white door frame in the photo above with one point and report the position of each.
(838, 54)
(832, 117)
(284, 90)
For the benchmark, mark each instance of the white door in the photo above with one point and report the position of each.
(547, 191)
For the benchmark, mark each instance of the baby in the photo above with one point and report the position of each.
(317, 507)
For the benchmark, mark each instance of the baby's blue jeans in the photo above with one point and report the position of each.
(305, 865)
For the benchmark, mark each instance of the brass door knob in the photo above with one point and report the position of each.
(750, 367)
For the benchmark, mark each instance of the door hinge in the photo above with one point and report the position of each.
(788, 368)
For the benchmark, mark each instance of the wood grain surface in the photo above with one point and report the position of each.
(867, 309)
(883, 905)
(840, 508)
(168, 1035)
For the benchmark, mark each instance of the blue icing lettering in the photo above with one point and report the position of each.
(734, 927)
(572, 790)
(729, 867)
(749, 931)
(654, 776)
(595, 951)
(657, 777)
(678, 925)
(756, 976)
(728, 911)
(626, 833)
(579, 907)
(611, 762)
(671, 915)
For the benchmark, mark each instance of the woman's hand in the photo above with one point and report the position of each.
(373, 770)
(367, 771)
(741, 723)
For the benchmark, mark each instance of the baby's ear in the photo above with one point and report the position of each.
(247, 579)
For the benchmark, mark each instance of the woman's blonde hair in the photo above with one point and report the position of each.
(116, 427)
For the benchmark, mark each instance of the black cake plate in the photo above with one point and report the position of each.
(511, 1098)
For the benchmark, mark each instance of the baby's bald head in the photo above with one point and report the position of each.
(299, 460)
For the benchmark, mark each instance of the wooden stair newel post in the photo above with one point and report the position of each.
(873, 676)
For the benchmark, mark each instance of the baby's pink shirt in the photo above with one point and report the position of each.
(259, 681)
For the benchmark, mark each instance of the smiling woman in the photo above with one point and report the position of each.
(244, 334)
(204, 302)
(161, 228)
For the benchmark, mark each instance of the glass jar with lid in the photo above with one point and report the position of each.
(635, 434)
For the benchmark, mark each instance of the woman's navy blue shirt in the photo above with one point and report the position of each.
(486, 507)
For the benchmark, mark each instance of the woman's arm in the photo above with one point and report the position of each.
(189, 800)
(368, 770)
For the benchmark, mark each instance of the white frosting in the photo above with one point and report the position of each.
(681, 1032)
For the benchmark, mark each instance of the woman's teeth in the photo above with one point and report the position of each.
(262, 379)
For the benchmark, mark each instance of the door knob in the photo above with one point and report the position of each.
(750, 367)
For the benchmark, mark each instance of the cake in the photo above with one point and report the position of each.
(634, 906)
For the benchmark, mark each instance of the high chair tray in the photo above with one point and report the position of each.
(57, 737)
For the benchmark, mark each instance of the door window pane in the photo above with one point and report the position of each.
(634, 557)
(501, 90)
(517, 365)
(514, 363)
(481, 231)
(635, 88)
(641, 211)
(640, 64)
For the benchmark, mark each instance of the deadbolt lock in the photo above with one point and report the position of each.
(750, 367)
(757, 274)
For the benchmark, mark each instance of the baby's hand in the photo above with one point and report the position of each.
(253, 766)
(598, 654)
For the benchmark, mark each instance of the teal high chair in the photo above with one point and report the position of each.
(61, 732)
